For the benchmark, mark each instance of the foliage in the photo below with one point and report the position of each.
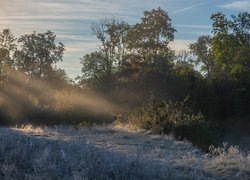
(231, 37)
(125, 49)
(152, 35)
(112, 35)
(38, 53)
(224, 58)
(202, 50)
(93, 65)
(168, 117)
(7, 48)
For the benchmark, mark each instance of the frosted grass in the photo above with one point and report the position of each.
(108, 153)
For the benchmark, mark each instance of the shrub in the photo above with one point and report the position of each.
(177, 118)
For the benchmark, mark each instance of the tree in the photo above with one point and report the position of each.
(230, 48)
(202, 49)
(38, 53)
(93, 65)
(7, 48)
(112, 34)
(231, 42)
(58, 79)
(152, 35)
(241, 29)
(149, 40)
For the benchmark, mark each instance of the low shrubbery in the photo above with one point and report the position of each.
(177, 118)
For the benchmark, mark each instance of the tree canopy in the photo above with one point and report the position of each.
(7, 48)
(38, 54)
(125, 48)
(231, 44)
(153, 34)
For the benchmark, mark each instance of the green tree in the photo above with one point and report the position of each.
(93, 65)
(149, 41)
(202, 49)
(112, 35)
(231, 43)
(230, 48)
(7, 48)
(152, 35)
(38, 54)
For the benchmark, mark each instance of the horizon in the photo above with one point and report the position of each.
(71, 21)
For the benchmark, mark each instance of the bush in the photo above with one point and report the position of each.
(177, 118)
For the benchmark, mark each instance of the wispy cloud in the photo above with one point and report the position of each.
(197, 33)
(181, 44)
(188, 8)
(192, 31)
(193, 26)
(237, 5)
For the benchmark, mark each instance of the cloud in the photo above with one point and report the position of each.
(181, 44)
(81, 47)
(187, 29)
(192, 26)
(188, 8)
(237, 5)
(197, 33)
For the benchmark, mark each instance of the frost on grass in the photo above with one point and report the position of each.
(107, 153)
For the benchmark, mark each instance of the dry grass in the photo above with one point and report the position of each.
(106, 153)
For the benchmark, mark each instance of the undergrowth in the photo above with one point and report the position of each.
(68, 106)
(169, 117)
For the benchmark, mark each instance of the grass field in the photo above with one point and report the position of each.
(109, 153)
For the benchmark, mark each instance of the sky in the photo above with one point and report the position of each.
(71, 20)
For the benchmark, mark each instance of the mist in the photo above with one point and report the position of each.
(46, 101)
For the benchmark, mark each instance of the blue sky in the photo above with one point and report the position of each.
(71, 20)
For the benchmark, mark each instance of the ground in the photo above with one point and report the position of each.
(110, 153)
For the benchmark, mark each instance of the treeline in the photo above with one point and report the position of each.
(35, 54)
(134, 63)
(215, 71)
(34, 90)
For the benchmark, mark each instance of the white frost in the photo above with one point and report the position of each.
(108, 153)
